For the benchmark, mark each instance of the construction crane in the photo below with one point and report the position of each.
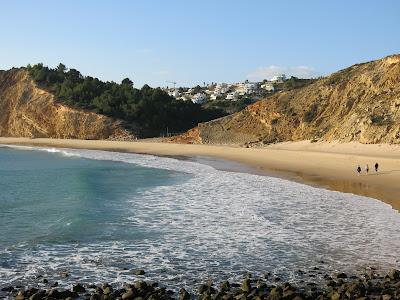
(173, 82)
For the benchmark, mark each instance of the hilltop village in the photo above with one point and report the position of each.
(233, 97)
(252, 91)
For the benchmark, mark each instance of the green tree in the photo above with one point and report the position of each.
(61, 68)
(127, 81)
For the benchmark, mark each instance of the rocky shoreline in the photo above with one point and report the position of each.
(368, 285)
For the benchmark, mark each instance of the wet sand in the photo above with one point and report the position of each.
(327, 165)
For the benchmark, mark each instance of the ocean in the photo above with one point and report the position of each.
(97, 216)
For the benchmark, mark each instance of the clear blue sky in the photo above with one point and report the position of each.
(195, 41)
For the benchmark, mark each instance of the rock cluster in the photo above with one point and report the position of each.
(366, 286)
(139, 290)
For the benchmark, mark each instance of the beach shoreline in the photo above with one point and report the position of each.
(325, 165)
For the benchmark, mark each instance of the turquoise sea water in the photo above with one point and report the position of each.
(98, 215)
(46, 198)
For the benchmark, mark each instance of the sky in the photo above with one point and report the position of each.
(191, 42)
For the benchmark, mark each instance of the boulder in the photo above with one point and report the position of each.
(335, 295)
(31, 291)
(341, 275)
(20, 296)
(37, 296)
(393, 274)
(129, 294)
(141, 285)
(246, 286)
(139, 272)
(275, 294)
(225, 286)
(78, 288)
(183, 294)
(95, 296)
(107, 290)
(202, 289)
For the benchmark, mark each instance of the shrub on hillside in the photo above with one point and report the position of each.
(311, 113)
(380, 120)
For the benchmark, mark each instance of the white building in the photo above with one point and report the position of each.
(251, 87)
(247, 88)
(174, 93)
(268, 86)
(279, 78)
(199, 98)
(184, 98)
(217, 94)
(189, 91)
(232, 96)
(213, 97)
(221, 88)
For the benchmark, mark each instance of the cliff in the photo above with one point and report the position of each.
(360, 103)
(29, 111)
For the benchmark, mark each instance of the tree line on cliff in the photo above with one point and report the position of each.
(150, 108)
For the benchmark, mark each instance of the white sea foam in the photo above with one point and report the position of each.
(221, 224)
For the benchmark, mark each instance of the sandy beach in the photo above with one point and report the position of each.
(327, 165)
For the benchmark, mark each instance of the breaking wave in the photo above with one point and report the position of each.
(220, 225)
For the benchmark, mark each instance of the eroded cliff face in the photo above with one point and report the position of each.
(360, 103)
(28, 111)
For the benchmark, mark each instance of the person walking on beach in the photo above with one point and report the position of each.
(376, 167)
(358, 170)
(366, 169)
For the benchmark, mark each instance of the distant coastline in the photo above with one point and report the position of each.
(326, 165)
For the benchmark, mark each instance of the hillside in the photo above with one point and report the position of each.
(149, 111)
(38, 101)
(360, 103)
(29, 111)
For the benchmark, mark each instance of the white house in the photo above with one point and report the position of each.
(174, 93)
(199, 98)
(184, 98)
(279, 78)
(251, 87)
(217, 94)
(221, 88)
(232, 96)
(268, 86)
(247, 88)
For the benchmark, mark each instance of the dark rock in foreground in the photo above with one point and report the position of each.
(366, 286)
